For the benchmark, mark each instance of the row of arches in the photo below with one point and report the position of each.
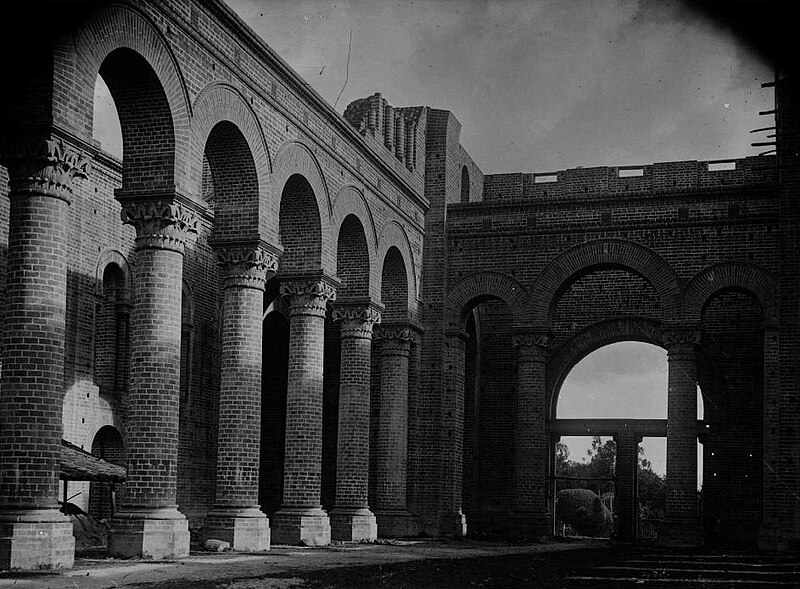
(599, 294)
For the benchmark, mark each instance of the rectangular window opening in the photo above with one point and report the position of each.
(630, 172)
(544, 178)
(721, 166)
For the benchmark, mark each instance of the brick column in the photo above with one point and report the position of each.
(351, 518)
(531, 441)
(236, 517)
(148, 523)
(768, 537)
(391, 464)
(451, 423)
(301, 518)
(683, 522)
(34, 535)
(627, 470)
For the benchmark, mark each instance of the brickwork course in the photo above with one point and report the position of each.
(292, 325)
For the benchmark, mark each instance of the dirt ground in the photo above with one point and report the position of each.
(395, 564)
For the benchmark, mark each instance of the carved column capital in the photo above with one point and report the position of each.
(681, 343)
(47, 166)
(532, 345)
(246, 265)
(357, 319)
(308, 295)
(160, 224)
(395, 338)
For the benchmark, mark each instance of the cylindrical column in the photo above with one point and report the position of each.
(392, 437)
(530, 518)
(301, 518)
(148, 523)
(33, 533)
(351, 519)
(627, 469)
(236, 517)
(400, 137)
(451, 421)
(388, 127)
(683, 525)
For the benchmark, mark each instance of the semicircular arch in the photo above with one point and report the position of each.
(217, 103)
(295, 158)
(604, 253)
(484, 286)
(589, 339)
(119, 260)
(350, 201)
(121, 27)
(393, 235)
(726, 276)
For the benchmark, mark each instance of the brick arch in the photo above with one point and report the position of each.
(606, 253)
(350, 201)
(116, 258)
(110, 30)
(294, 158)
(589, 339)
(727, 276)
(393, 235)
(483, 286)
(248, 212)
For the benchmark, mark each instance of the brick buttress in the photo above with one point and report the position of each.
(34, 535)
(301, 518)
(529, 516)
(148, 523)
(682, 527)
(351, 518)
(236, 517)
(391, 464)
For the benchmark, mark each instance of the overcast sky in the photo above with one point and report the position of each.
(537, 85)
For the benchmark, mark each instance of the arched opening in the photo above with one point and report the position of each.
(107, 444)
(610, 430)
(352, 260)
(145, 120)
(490, 388)
(229, 180)
(274, 380)
(300, 227)
(464, 185)
(112, 335)
(394, 287)
(732, 379)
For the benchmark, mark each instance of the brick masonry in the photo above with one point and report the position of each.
(223, 143)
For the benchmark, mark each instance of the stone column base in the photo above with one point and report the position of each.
(396, 523)
(454, 525)
(246, 530)
(353, 525)
(158, 534)
(36, 540)
(309, 527)
(529, 524)
(680, 533)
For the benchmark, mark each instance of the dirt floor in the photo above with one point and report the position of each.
(412, 563)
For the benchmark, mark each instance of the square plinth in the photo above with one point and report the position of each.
(244, 534)
(307, 527)
(396, 523)
(36, 546)
(353, 525)
(157, 539)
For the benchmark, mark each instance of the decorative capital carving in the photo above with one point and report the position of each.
(681, 343)
(395, 339)
(246, 265)
(532, 345)
(308, 296)
(47, 166)
(160, 224)
(357, 319)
